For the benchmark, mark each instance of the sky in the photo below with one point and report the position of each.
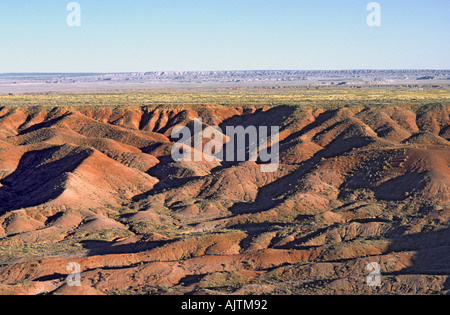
(200, 35)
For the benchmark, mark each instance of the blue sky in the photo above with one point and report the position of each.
(178, 35)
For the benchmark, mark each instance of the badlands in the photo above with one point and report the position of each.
(95, 186)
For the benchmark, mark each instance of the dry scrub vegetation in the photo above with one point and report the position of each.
(313, 98)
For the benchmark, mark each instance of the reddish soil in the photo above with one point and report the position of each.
(98, 187)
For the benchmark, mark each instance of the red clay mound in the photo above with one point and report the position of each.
(71, 176)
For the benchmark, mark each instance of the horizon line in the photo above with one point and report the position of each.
(234, 70)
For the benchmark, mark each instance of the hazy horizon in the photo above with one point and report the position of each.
(230, 70)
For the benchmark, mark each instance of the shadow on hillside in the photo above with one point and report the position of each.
(433, 251)
(432, 254)
(106, 248)
(278, 189)
(35, 182)
(316, 123)
(45, 124)
(274, 117)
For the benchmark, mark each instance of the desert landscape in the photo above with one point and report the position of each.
(363, 178)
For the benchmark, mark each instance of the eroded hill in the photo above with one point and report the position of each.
(97, 186)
